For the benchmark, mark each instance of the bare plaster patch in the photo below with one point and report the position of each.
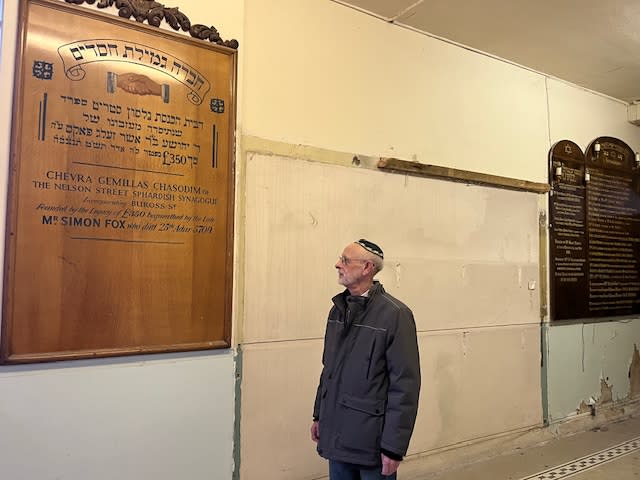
(606, 396)
(606, 392)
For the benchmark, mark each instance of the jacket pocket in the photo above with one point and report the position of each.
(362, 423)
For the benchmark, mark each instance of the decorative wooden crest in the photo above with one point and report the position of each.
(154, 13)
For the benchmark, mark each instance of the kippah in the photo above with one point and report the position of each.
(370, 247)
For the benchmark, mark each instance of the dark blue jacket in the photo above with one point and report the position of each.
(367, 399)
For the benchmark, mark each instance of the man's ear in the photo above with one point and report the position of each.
(369, 267)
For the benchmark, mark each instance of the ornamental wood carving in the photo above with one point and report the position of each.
(154, 13)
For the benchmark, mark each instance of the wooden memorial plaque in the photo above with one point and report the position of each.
(613, 230)
(595, 230)
(120, 223)
(568, 242)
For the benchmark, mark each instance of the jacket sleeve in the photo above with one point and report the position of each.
(316, 404)
(403, 363)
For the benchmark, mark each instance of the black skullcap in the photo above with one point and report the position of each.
(371, 247)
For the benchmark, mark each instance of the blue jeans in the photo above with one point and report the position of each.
(349, 471)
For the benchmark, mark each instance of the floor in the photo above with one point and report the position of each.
(607, 453)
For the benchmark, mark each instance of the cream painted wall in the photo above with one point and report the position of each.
(452, 250)
(466, 380)
(334, 79)
(462, 257)
(337, 80)
(152, 416)
(318, 73)
(582, 116)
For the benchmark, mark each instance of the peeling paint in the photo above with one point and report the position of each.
(583, 407)
(606, 396)
(634, 373)
(610, 356)
(606, 392)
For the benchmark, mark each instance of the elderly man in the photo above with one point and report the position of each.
(367, 400)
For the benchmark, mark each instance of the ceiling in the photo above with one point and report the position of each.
(591, 43)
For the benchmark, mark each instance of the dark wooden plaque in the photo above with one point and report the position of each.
(613, 214)
(120, 226)
(595, 236)
(568, 244)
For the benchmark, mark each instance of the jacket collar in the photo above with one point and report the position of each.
(340, 300)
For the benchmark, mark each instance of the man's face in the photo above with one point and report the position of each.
(350, 265)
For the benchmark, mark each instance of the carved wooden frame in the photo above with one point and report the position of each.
(154, 13)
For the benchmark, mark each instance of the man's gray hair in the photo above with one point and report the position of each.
(378, 263)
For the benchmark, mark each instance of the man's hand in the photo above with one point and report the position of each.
(389, 466)
(315, 431)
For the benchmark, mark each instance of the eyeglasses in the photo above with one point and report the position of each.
(346, 260)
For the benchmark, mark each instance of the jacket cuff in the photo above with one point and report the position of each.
(391, 455)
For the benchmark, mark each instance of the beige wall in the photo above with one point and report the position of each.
(464, 258)
(581, 116)
(320, 75)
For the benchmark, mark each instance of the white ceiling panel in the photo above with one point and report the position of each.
(591, 43)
